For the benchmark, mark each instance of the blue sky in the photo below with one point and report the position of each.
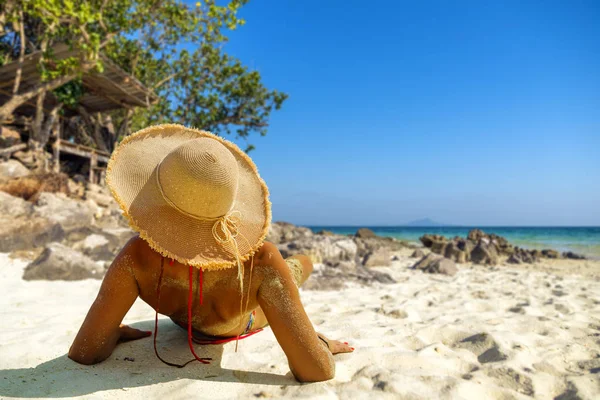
(472, 113)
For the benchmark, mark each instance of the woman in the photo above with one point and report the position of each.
(202, 213)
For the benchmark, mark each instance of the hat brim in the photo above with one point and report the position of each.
(131, 178)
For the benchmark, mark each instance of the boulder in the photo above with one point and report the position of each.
(369, 245)
(69, 213)
(283, 232)
(433, 263)
(365, 233)
(573, 256)
(12, 169)
(378, 258)
(321, 249)
(476, 235)
(484, 253)
(325, 233)
(428, 240)
(8, 137)
(454, 253)
(11, 206)
(514, 259)
(96, 247)
(58, 262)
(27, 232)
(26, 158)
(102, 199)
(548, 253)
(418, 253)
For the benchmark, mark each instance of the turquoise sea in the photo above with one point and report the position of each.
(582, 240)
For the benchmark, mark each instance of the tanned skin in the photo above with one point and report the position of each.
(272, 293)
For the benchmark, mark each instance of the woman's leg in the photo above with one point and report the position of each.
(260, 320)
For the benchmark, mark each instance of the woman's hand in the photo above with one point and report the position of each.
(335, 346)
(127, 333)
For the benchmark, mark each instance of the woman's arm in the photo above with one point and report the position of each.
(309, 357)
(102, 329)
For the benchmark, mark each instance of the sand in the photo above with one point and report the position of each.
(500, 333)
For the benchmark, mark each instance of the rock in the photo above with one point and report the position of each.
(12, 169)
(27, 232)
(9, 137)
(11, 206)
(514, 259)
(484, 253)
(104, 200)
(321, 249)
(325, 233)
(26, 158)
(96, 247)
(378, 258)
(548, 253)
(69, 213)
(283, 232)
(428, 240)
(369, 245)
(433, 263)
(475, 235)
(76, 189)
(573, 256)
(365, 233)
(58, 262)
(454, 253)
(418, 253)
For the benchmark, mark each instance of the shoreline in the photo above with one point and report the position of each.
(411, 235)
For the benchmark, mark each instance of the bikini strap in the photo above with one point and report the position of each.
(202, 360)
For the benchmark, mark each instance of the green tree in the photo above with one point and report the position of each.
(173, 48)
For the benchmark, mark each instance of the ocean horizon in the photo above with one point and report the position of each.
(579, 239)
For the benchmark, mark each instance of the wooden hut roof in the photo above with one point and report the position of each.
(109, 90)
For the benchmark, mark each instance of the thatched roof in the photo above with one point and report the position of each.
(109, 90)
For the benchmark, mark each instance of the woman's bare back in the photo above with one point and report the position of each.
(219, 314)
(269, 287)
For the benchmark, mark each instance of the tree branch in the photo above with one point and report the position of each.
(21, 53)
(163, 81)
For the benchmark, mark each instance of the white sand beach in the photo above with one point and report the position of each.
(500, 332)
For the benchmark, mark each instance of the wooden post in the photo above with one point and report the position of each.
(57, 150)
(93, 164)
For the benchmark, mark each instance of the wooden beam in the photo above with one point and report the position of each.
(93, 163)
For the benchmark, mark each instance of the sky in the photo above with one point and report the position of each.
(470, 113)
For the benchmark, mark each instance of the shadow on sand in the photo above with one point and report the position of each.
(62, 377)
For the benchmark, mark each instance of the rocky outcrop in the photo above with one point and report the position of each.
(11, 206)
(342, 259)
(12, 169)
(435, 264)
(487, 249)
(418, 253)
(283, 232)
(322, 249)
(485, 253)
(28, 232)
(59, 262)
(365, 233)
(70, 214)
(378, 258)
(572, 256)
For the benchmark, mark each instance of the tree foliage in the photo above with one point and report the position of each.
(176, 49)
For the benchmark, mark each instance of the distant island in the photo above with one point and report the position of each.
(425, 222)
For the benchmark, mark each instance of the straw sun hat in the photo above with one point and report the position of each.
(193, 196)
